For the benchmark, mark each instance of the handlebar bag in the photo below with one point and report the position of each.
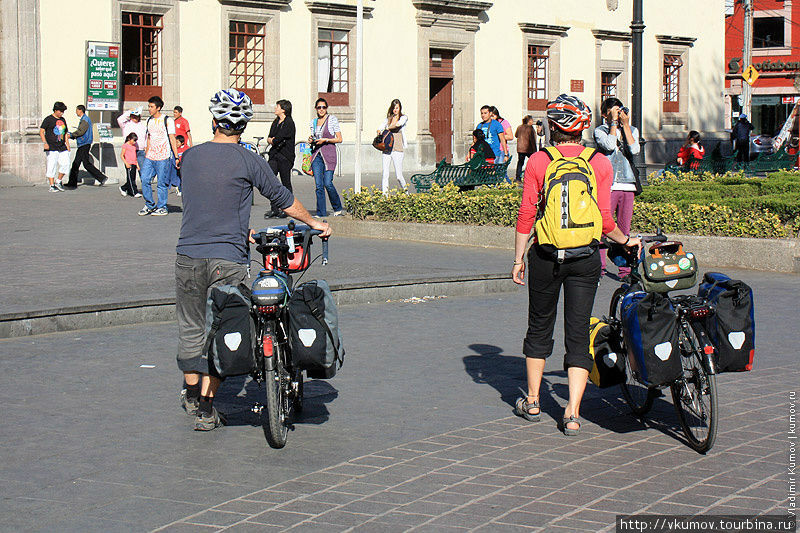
(650, 330)
(230, 331)
(732, 326)
(314, 330)
(667, 267)
(604, 346)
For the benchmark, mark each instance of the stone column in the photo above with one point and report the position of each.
(20, 89)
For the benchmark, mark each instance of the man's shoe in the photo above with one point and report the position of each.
(137, 195)
(281, 214)
(145, 211)
(103, 181)
(53, 189)
(58, 185)
(160, 212)
(192, 407)
(122, 191)
(207, 422)
(338, 213)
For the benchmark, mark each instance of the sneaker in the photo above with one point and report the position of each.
(137, 195)
(203, 422)
(338, 213)
(160, 212)
(53, 189)
(103, 181)
(122, 191)
(59, 186)
(192, 407)
(145, 211)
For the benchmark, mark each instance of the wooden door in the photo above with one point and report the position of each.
(441, 113)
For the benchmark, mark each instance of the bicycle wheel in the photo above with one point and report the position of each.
(695, 398)
(638, 397)
(274, 418)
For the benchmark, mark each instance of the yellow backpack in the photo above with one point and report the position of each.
(568, 219)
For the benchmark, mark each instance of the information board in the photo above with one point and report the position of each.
(104, 130)
(102, 76)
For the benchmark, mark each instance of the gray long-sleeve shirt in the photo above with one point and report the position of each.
(218, 181)
(611, 146)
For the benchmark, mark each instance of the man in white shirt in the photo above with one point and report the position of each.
(159, 158)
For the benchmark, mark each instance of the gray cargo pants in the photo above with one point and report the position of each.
(193, 279)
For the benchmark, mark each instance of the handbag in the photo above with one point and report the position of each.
(626, 151)
(384, 142)
(305, 154)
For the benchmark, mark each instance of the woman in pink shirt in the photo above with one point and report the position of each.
(507, 132)
(568, 117)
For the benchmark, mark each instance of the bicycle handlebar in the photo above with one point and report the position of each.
(275, 231)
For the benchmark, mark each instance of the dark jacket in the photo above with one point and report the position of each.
(283, 142)
(741, 131)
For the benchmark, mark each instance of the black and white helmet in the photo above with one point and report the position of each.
(231, 108)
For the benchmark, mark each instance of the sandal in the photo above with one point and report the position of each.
(522, 408)
(572, 419)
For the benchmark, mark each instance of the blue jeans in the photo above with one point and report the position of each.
(174, 178)
(151, 168)
(324, 182)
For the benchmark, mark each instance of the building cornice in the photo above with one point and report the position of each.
(676, 40)
(458, 14)
(343, 8)
(609, 35)
(544, 29)
(267, 4)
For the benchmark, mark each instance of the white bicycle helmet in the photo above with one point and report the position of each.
(231, 108)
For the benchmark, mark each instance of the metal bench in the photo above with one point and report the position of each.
(465, 177)
(716, 163)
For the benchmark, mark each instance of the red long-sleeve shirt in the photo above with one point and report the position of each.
(534, 179)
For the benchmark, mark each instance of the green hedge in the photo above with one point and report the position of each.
(728, 205)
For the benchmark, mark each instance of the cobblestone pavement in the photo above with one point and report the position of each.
(89, 247)
(415, 433)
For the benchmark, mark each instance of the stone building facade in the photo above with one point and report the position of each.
(442, 58)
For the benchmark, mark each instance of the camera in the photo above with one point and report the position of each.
(625, 110)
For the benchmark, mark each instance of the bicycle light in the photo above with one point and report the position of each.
(267, 343)
(699, 311)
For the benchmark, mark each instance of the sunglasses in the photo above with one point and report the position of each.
(322, 107)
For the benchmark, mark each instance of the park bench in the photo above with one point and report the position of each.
(716, 163)
(465, 177)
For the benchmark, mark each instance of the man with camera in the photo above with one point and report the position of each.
(619, 141)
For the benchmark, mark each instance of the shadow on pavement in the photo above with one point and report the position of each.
(238, 396)
(603, 407)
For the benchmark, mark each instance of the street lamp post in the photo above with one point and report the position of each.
(637, 29)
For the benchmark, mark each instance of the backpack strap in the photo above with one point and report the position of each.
(588, 153)
(553, 153)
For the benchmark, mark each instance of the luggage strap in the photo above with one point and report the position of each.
(321, 319)
(212, 333)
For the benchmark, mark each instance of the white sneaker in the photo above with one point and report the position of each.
(137, 195)
(122, 192)
(58, 185)
(53, 189)
(338, 213)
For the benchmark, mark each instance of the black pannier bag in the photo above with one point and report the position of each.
(650, 328)
(732, 327)
(314, 330)
(230, 331)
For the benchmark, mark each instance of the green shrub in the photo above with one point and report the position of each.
(728, 205)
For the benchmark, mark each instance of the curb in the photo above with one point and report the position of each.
(775, 255)
(163, 309)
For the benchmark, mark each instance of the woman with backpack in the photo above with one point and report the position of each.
(325, 132)
(395, 122)
(563, 257)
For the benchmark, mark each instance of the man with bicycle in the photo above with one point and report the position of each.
(213, 248)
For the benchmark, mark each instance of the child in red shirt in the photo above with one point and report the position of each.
(128, 154)
(692, 152)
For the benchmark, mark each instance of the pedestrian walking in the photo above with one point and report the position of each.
(740, 135)
(128, 155)
(54, 135)
(619, 141)
(507, 135)
(492, 133)
(84, 137)
(159, 158)
(213, 247)
(526, 143)
(131, 122)
(325, 132)
(281, 149)
(576, 269)
(395, 122)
